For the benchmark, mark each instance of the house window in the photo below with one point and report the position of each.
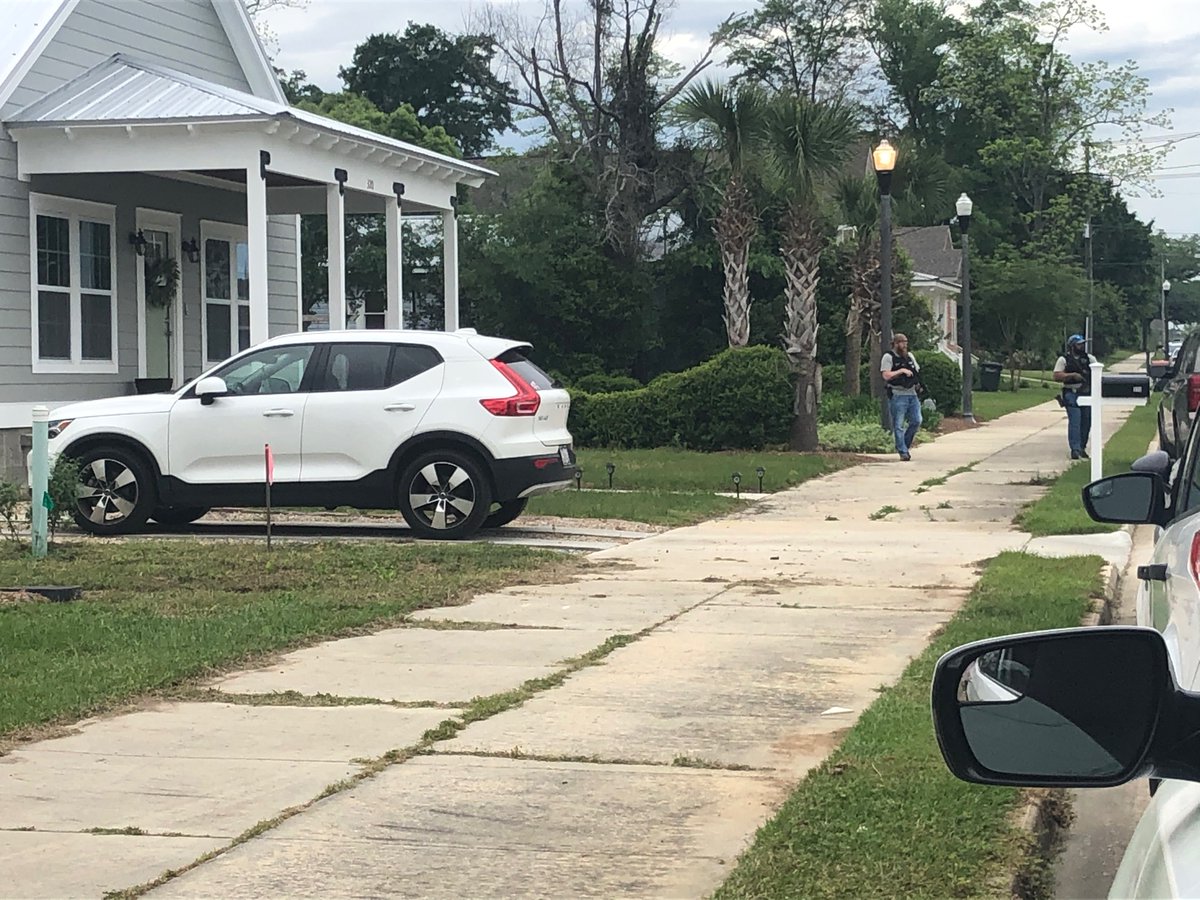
(226, 292)
(73, 275)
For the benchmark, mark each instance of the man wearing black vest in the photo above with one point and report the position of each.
(1073, 371)
(902, 374)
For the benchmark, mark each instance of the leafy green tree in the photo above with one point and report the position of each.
(735, 116)
(401, 123)
(807, 143)
(447, 81)
(809, 48)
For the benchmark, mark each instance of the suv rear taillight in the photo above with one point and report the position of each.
(525, 403)
(1194, 559)
(1193, 384)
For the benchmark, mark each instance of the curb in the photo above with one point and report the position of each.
(1046, 815)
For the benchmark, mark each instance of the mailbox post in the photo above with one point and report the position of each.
(1111, 390)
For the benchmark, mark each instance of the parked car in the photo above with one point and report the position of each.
(1099, 707)
(1180, 386)
(456, 430)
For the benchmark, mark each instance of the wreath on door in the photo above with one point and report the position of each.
(162, 280)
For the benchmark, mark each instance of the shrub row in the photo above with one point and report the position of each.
(738, 400)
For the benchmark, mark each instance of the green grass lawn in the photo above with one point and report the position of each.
(882, 816)
(1061, 510)
(670, 469)
(155, 613)
(653, 507)
(993, 405)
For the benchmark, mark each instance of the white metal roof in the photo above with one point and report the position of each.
(126, 91)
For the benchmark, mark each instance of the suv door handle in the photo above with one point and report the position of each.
(400, 407)
(1156, 572)
(279, 413)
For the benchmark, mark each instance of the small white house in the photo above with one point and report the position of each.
(137, 133)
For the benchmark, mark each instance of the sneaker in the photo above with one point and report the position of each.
(904, 457)
(1084, 454)
(1074, 454)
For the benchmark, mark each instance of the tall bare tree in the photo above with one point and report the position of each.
(735, 116)
(808, 142)
(589, 75)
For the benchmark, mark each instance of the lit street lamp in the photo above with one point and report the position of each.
(964, 207)
(884, 159)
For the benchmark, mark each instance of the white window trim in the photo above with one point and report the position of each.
(234, 234)
(74, 211)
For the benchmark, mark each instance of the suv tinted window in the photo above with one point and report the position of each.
(355, 367)
(410, 361)
(276, 370)
(531, 372)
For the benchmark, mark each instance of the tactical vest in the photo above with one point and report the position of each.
(904, 381)
(1080, 365)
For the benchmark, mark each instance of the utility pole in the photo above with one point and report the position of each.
(1089, 335)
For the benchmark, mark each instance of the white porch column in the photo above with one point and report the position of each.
(450, 266)
(394, 317)
(256, 245)
(335, 211)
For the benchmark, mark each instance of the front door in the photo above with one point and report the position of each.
(158, 301)
(222, 443)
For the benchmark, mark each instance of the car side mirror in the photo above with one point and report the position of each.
(1137, 498)
(1083, 707)
(209, 389)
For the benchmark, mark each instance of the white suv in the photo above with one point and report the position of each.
(457, 430)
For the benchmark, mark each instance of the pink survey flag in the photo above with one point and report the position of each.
(270, 464)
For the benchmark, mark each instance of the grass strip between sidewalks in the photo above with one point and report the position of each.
(155, 613)
(991, 405)
(673, 469)
(1060, 510)
(882, 816)
(652, 507)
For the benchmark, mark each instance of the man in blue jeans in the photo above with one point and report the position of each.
(901, 372)
(1073, 372)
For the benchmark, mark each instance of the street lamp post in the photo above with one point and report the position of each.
(964, 207)
(1166, 289)
(884, 159)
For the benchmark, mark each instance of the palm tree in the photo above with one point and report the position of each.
(735, 116)
(858, 205)
(807, 142)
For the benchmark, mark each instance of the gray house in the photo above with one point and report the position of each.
(937, 276)
(152, 175)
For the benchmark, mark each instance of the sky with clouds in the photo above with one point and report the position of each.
(1161, 35)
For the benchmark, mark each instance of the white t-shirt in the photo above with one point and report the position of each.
(1061, 366)
(885, 365)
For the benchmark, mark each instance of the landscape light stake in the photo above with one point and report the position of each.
(737, 484)
(610, 468)
(579, 479)
(761, 473)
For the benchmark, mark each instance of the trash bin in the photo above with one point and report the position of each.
(989, 376)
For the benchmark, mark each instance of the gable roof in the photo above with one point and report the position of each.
(28, 26)
(126, 91)
(932, 251)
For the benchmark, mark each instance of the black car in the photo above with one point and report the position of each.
(1180, 385)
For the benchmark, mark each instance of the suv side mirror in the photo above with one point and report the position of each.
(209, 389)
(1137, 498)
(1084, 707)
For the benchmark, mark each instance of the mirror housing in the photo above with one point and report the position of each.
(1134, 498)
(209, 389)
(1094, 707)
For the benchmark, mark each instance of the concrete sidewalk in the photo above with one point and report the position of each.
(759, 639)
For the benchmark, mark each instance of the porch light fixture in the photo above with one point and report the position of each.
(139, 242)
(192, 249)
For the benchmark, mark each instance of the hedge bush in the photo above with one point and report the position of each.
(738, 400)
(942, 380)
(599, 383)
